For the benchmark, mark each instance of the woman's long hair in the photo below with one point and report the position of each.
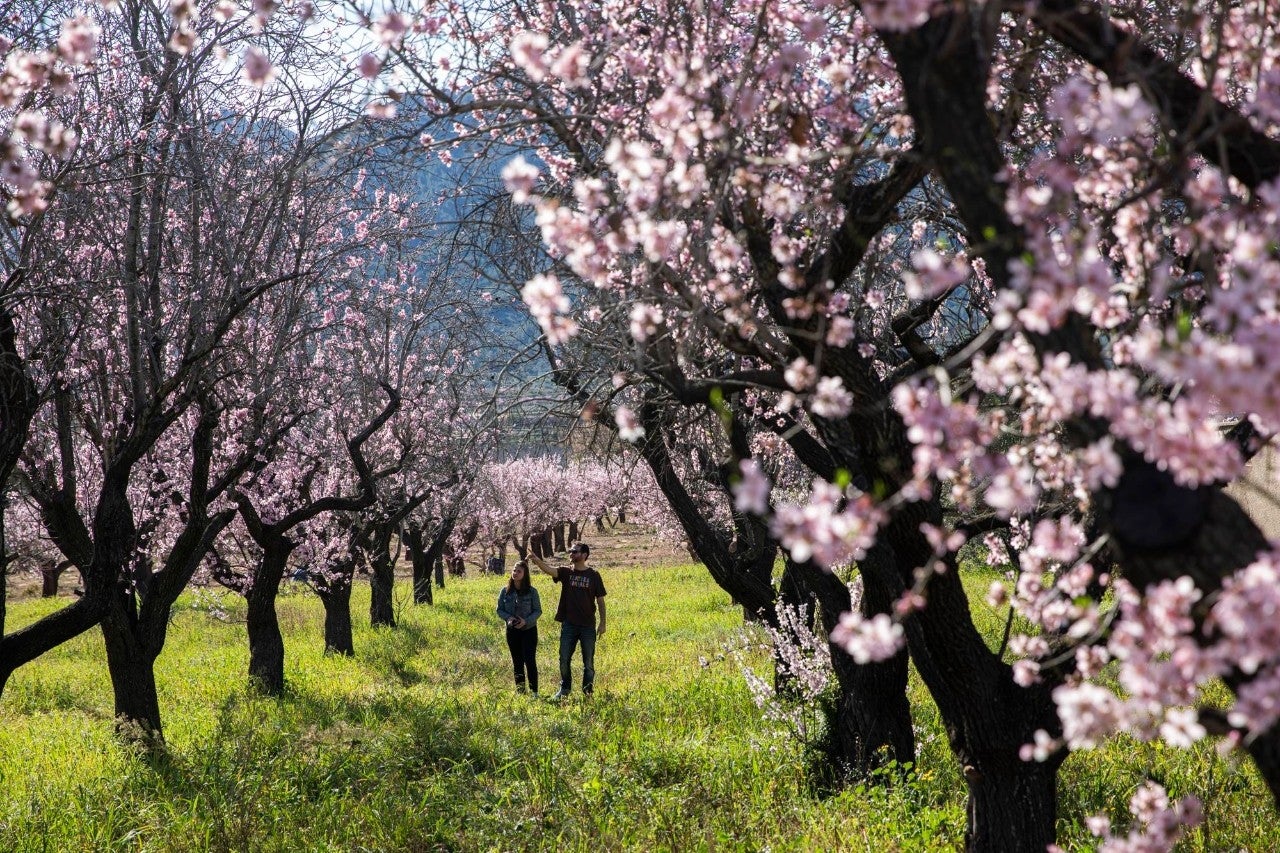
(525, 583)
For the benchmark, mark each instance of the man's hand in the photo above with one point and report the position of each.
(600, 629)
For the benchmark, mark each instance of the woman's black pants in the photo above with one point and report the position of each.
(524, 656)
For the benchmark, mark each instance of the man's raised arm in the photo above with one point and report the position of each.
(537, 561)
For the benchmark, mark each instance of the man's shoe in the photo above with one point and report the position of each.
(558, 695)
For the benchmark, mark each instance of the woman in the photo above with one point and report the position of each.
(519, 607)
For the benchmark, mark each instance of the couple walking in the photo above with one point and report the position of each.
(581, 594)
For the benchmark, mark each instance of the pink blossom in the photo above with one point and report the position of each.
(224, 10)
(866, 640)
(257, 68)
(390, 28)
(369, 66)
(800, 374)
(519, 176)
(78, 40)
(629, 428)
(571, 64)
(645, 320)
(831, 399)
(183, 40)
(897, 14)
(751, 489)
(528, 50)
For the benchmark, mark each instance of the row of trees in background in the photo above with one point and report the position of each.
(230, 336)
(238, 345)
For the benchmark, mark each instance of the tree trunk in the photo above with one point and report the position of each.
(266, 643)
(421, 565)
(131, 664)
(18, 400)
(381, 601)
(557, 532)
(336, 597)
(49, 577)
(870, 719)
(382, 579)
(1011, 808)
(544, 543)
(988, 717)
(426, 557)
(422, 592)
(140, 606)
(4, 565)
(575, 531)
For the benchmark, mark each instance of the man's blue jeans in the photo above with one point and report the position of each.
(571, 635)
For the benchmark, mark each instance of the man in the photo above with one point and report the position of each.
(581, 594)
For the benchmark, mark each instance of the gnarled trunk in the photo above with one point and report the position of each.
(426, 555)
(1011, 808)
(988, 717)
(131, 664)
(382, 578)
(421, 565)
(335, 595)
(266, 643)
(18, 400)
(49, 577)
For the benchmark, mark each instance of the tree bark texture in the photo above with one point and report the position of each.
(18, 401)
(382, 578)
(266, 643)
(131, 656)
(426, 555)
(336, 598)
(50, 576)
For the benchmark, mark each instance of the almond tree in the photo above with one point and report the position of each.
(37, 73)
(193, 195)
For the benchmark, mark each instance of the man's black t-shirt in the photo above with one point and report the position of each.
(579, 589)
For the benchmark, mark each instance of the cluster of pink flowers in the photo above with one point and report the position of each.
(802, 661)
(831, 527)
(548, 305)
(28, 79)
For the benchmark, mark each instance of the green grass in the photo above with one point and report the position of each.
(420, 743)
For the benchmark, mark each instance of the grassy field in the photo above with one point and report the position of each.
(420, 743)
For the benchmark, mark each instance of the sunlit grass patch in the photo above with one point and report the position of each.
(420, 742)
